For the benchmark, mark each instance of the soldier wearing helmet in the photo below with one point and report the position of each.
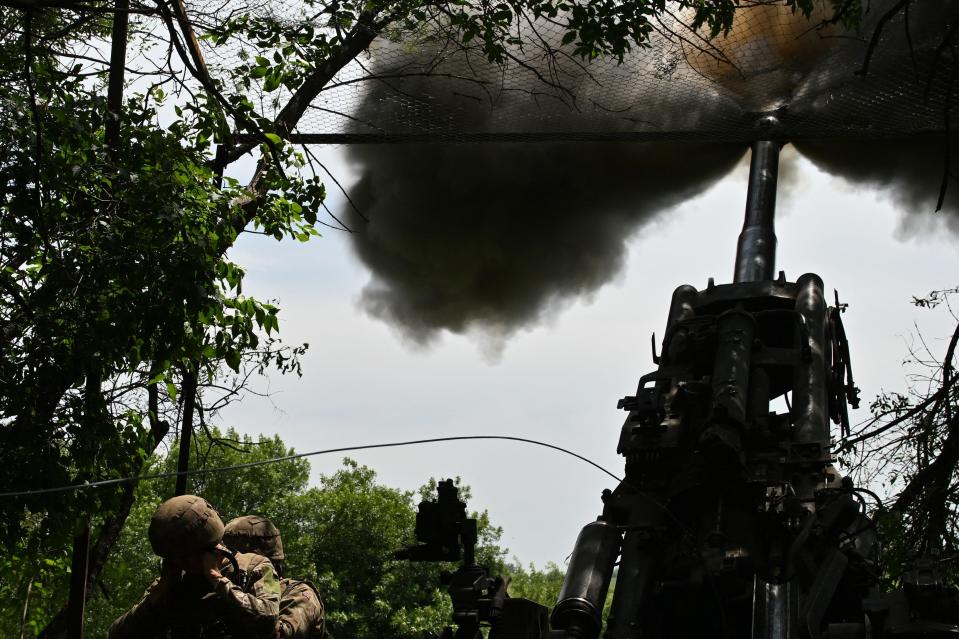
(204, 590)
(301, 610)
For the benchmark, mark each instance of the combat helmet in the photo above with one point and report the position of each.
(252, 533)
(184, 525)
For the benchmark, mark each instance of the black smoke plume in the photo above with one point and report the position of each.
(910, 167)
(909, 173)
(492, 236)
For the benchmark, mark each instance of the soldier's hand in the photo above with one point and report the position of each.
(283, 630)
(210, 565)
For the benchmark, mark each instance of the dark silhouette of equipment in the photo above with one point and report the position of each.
(445, 533)
(732, 521)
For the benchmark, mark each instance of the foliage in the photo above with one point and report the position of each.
(341, 535)
(368, 593)
(909, 453)
(114, 280)
(263, 489)
(115, 285)
(31, 589)
(601, 28)
(541, 586)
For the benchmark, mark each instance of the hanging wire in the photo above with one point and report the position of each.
(274, 460)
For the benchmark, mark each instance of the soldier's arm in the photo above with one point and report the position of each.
(146, 619)
(258, 605)
(301, 612)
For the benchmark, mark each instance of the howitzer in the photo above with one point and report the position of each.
(732, 521)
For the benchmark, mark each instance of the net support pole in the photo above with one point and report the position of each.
(76, 604)
(80, 562)
(118, 57)
(756, 250)
(186, 430)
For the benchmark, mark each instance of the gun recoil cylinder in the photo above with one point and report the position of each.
(771, 610)
(682, 305)
(810, 404)
(580, 606)
(735, 333)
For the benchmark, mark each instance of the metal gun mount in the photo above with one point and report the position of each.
(445, 533)
(732, 521)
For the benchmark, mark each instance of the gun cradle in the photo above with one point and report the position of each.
(732, 521)
(722, 495)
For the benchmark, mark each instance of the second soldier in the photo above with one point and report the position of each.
(301, 610)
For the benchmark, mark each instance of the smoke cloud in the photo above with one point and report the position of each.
(907, 172)
(907, 169)
(488, 238)
(493, 236)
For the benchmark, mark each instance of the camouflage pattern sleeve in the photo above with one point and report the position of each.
(301, 612)
(145, 619)
(257, 604)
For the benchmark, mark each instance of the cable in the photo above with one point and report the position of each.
(880, 507)
(263, 462)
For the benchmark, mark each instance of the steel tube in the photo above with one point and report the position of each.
(756, 250)
(682, 305)
(735, 332)
(810, 410)
(580, 606)
(772, 616)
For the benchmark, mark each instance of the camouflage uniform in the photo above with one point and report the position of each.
(301, 611)
(243, 605)
(192, 601)
(302, 615)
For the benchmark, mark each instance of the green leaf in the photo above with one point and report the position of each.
(272, 82)
(233, 360)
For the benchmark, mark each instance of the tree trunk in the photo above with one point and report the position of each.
(56, 628)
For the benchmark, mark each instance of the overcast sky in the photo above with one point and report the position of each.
(559, 381)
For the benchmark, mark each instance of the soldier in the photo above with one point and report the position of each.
(301, 609)
(203, 590)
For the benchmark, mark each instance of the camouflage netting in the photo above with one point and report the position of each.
(489, 238)
(422, 86)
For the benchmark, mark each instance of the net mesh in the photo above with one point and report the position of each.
(773, 62)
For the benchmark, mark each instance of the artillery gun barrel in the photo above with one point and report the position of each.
(756, 250)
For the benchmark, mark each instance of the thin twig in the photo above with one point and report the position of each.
(330, 213)
(877, 34)
(947, 161)
(337, 183)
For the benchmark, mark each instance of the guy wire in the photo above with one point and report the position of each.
(273, 460)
